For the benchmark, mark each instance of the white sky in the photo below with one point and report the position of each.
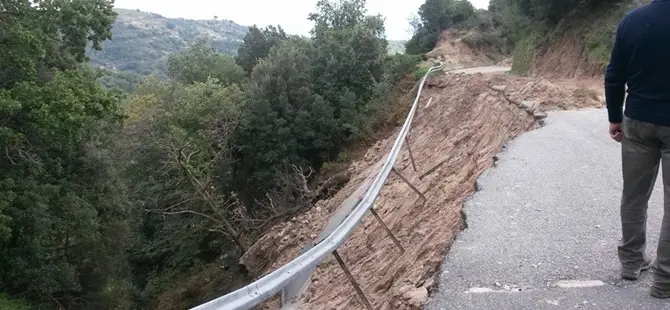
(290, 14)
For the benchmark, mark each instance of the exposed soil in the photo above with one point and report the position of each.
(454, 53)
(462, 123)
(566, 56)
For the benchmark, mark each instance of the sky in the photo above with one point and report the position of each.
(290, 14)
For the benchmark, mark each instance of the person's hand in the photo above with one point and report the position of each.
(615, 132)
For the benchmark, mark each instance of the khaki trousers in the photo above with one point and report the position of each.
(644, 147)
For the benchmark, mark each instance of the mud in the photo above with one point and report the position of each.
(462, 123)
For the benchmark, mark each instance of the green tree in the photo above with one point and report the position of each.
(37, 37)
(286, 122)
(201, 62)
(177, 163)
(436, 16)
(257, 44)
(348, 59)
(62, 211)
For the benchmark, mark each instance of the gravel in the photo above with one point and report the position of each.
(544, 227)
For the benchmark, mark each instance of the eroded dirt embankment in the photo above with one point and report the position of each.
(454, 139)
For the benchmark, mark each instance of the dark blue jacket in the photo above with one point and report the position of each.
(641, 59)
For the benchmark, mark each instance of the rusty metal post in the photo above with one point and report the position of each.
(411, 156)
(358, 289)
(410, 184)
(388, 231)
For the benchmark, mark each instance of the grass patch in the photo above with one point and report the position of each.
(419, 73)
(601, 34)
(524, 55)
(12, 304)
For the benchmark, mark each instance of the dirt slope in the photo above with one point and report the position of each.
(566, 56)
(454, 53)
(454, 139)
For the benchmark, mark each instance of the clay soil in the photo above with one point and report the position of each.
(454, 53)
(462, 123)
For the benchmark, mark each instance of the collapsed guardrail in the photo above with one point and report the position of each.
(297, 272)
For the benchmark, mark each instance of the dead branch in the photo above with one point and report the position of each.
(60, 306)
(183, 212)
(209, 200)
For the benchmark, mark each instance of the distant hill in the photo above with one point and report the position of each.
(396, 47)
(141, 41)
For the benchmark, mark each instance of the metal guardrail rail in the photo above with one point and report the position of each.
(267, 286)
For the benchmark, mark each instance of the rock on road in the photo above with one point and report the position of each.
(544, 227)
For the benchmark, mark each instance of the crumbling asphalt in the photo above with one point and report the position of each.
(544, 227)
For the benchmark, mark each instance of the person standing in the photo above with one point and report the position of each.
(641, 60)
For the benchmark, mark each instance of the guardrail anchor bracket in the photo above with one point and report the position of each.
(409, 184)
(411, 156)
(357, 287)
(388, 231)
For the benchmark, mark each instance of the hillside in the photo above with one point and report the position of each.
(576, 46)
(142, 41)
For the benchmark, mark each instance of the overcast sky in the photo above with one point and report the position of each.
(290, 14)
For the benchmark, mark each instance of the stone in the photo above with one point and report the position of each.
(499, 88)
(528, 105)
(417, 297)
(540, 115)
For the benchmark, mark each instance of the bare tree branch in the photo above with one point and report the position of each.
(183, 212)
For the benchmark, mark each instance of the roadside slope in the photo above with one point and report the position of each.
(454, 139)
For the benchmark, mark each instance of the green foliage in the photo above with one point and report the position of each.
(601, 33)
(120, 80)
(399, 65)
(200, 63)
(141, 42)
(177, 165)
(286, 122)
(348, 59)
(420, 73)
(257, 44)
(9, 303)
(436, 16)
(526, 22)
(524, 55)
(42, 36)
(62, 212)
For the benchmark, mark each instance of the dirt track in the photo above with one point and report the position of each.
(454, 140)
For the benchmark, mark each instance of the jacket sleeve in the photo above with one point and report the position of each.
(616, 75)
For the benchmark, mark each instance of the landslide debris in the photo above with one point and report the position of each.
(462, 122)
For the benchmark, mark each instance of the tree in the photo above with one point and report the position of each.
(348, 59)
(178, 166)
(435, 17)
(61, 215)
(62, 209)
(49, 34)
(257, 45)
(201, 62)
(286, 122)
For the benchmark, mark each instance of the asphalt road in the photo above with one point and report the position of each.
(544, 226)
(485, 70)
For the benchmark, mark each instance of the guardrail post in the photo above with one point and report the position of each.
(358, 289)
(410, 184)
(388, 231)
(411, 156)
